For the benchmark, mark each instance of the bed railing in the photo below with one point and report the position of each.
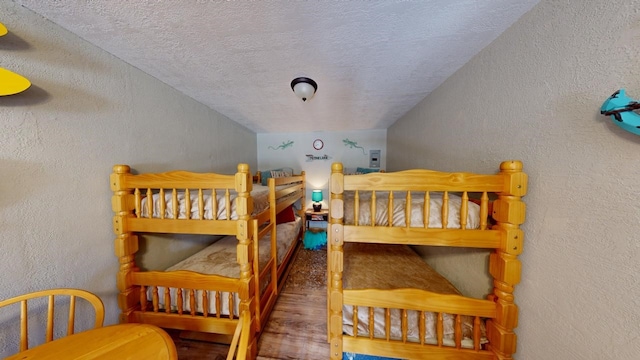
(426, 196)
(501, 212)
(128, 190)
(149, 201)
(433, 313)
(213, 204)
(166, 293)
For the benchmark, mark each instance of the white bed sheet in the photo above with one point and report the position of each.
(417, 206)
(219, 258)
(259, 194)
(413, 327)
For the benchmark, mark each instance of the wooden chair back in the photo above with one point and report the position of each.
(51, 294)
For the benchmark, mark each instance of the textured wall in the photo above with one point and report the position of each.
(534, 94)
(86, 111)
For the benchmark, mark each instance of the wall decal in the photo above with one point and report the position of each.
(315, 157)
(353, 144)
(622, 108)
(11, 83)
(282, 146)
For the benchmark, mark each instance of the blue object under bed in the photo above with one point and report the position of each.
(352, 356)
(315, 240)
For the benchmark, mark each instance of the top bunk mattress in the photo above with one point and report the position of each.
(398, 210)
(259, 194)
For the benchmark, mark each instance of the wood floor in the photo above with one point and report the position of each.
(297, 327)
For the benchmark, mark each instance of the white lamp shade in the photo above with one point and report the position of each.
(304, 90)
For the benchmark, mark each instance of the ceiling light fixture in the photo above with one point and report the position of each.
(304, 87)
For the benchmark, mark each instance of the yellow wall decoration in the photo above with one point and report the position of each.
(10, 82)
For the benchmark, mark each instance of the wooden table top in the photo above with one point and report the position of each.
(120, 342)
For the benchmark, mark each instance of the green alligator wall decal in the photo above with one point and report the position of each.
(353, 144)
(283, 146)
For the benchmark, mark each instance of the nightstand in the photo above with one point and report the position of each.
(311, 216)
(316, 236)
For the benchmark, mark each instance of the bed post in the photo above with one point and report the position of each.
(334, 260)
(244, 231)
(303, 202)
(504, 266)
(125, 244)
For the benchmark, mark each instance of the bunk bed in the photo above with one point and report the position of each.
(373, 273)
(249, 262)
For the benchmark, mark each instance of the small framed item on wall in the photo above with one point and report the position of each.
(318, 144)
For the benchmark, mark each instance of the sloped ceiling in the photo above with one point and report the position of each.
(373, 60)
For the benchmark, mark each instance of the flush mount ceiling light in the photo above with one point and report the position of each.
(304, 87)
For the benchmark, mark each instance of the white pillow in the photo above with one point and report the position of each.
(280, 173)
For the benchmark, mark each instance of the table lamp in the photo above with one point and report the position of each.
(316, 196)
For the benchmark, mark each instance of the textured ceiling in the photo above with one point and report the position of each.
(373, 60)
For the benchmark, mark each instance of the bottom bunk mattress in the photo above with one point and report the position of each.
(393, 266)
(219, 258)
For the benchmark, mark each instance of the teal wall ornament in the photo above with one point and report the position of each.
(621, 109)
(282, 146)
(353, 144)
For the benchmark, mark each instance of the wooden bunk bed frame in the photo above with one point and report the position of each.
(128, 192)
(503, 237)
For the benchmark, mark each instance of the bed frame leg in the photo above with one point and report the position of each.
(244, 252)
(335, 253)
(125, 244)
(504, 266)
